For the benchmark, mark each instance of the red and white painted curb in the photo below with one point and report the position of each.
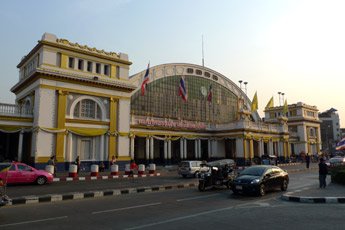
(88, 178)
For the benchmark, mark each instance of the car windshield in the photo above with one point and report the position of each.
(253, 171)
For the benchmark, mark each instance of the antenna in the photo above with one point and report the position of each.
(202, 46)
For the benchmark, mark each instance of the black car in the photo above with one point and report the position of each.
(259, 179)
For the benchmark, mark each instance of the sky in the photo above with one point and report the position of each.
(291, 46)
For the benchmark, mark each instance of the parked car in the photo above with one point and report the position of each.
(191, 168)
(335, 161)
(259, 179)
(18, 173)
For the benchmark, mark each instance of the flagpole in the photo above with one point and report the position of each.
(202, 50)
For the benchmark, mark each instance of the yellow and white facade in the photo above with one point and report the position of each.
(73, 100)
(77, 96)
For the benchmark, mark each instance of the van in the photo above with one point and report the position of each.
(191, 168)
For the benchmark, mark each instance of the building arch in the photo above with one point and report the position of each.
(97, 101)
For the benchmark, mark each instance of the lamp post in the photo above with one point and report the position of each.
(240, 81)
(245, 86)
(279, 98)
(283, 101)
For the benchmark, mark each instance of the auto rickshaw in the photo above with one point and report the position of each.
(220, 173)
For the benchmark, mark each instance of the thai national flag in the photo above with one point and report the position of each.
(146, 80)
(209, 95)
(183, 90)
(340, 145)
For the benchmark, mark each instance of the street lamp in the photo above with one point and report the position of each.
(279, 98)
(245, 86)
(240, 81)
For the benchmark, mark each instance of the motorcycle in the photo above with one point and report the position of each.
(221, 173)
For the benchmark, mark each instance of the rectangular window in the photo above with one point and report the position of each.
(71, 62)
(98, 68)
(89, 66)
(106, 70)
(80, 64)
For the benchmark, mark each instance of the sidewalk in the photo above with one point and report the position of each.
(333, 193)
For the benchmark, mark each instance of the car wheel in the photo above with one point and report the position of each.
(284, 185)
(262, 190)
(184, 176)
(228, 184)
(41, 180)
(201, 186)
(234, 191)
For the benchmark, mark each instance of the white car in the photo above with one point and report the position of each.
(191, 168)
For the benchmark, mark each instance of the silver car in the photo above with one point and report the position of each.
(191, 168)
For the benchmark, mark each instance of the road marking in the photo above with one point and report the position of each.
(180, 218)
(197, 197)
(34, 221)
(126, 208)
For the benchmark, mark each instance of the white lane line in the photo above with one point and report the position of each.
(34, 221)
(197, 197)
(126, 208)
(180, 218)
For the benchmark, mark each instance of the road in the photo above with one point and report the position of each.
(182, 208)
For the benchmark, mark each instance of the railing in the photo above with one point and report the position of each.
(15, 110)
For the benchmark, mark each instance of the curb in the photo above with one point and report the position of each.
(318, 200)
(87, 178)
(94, 194)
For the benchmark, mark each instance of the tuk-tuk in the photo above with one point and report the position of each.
(220, 173)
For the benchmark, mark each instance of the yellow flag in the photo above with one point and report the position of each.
(285, 108)
(270, 103)
(255, 103)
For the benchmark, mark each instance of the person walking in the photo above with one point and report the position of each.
(133, 167)
(77, 163)
(51, 162)
(307, 160)
(113, 160)
(322, 173)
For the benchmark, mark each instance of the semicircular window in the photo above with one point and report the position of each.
(208, 101)
(87, 109)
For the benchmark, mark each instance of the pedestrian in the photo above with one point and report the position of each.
(133, 167)
(322, 173)
(77, 163)
(101, 167)
(307, 160)
(51, 161)
(113, 160)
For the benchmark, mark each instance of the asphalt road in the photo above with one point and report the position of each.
(183, 208)
(96, 185)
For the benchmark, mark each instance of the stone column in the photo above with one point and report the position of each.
(147, 148)
(251, 149)
(165, 150)
(209, 148)
(181, 148)
(132, 146)
(185, 149)
(169, 150)
(20, 146)
(69, 147)
(151, 148)
(196, 152)
(101, 149)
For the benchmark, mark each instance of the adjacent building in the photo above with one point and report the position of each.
(330, 129)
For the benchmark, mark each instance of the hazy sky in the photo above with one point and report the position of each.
(296, 47)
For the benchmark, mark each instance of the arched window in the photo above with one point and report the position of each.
(88, 109)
